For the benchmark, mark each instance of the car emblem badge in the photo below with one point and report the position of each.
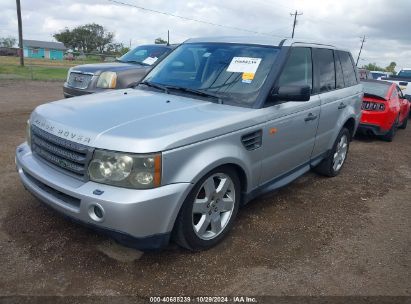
(62, 163)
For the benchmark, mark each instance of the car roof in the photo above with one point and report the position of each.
(169, 46)
(262, 40)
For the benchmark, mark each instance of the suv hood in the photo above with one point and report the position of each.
(140, 121)
(98, 68)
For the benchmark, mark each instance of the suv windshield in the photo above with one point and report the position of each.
(231, 73)
(405, 73)
(145, 54)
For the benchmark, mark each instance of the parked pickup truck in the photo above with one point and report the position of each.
(216, 123)
(403, 80)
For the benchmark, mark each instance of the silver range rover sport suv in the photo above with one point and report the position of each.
(215, 124)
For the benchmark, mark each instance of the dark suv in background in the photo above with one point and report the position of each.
(125, 72)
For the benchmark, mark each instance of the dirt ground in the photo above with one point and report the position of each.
(348, 235)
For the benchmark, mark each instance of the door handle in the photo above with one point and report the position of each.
(310, 117)
(341, 106)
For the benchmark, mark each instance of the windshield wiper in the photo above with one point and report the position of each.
(197, 92)
(155, 85)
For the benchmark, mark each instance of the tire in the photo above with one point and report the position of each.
(389, 136)
(332, 165)
(204, 229)
(404, 123)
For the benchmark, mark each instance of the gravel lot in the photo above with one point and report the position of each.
(349, 235)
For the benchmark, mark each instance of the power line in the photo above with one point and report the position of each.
(295, 21)
(190, 19)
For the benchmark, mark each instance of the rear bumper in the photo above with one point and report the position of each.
(373, 129)
(140, 219)
(380, 122)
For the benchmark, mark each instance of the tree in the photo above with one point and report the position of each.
(391, 67)
(117, 49)
(160, 40)
(373, 67)
(87, 38)
(8, 42)
(66, 37)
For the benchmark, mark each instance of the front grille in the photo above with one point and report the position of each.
(68, 156)
(79, 80)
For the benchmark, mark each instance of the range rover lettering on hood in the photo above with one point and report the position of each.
(61, 131)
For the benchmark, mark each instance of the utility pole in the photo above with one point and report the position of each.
(295, 21)
(20, 33)
(359, 53)
(168, 37)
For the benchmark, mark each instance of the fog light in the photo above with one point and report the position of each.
(96, 213)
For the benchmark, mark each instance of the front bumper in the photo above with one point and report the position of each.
(141, 219)
(72, 92)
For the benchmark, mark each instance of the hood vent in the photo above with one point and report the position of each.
(253, 140)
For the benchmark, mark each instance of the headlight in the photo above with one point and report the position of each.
(107, 80)
(68, 74)
(126, 170)
(28, 133)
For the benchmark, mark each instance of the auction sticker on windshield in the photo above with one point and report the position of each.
(150, 60)
(244, 65)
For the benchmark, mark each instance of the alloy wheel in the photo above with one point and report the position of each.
(340, 153)
(213, 206)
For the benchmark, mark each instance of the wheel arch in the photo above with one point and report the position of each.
(350, 125)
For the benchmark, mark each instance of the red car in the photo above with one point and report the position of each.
(384, 109)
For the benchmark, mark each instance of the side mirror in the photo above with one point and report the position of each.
(292, 93)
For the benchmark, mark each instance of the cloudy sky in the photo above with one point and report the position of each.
(386, 24)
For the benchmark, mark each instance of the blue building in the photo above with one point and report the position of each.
(43, 49)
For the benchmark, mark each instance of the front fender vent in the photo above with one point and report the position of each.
(253, 140)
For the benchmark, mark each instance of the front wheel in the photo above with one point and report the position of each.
(209, 210)
(334, 162)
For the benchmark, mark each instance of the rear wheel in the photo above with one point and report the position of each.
(404, 123)
(209, 210)
(389, 136)
(334, 162)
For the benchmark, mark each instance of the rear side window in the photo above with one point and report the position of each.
(394, 94)
(339, 82)
(298, 70)
(350, 78)
(324, 61)
(400, 94)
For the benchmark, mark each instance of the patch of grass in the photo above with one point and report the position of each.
(38, 69)
(11, 60)
(33, 72)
